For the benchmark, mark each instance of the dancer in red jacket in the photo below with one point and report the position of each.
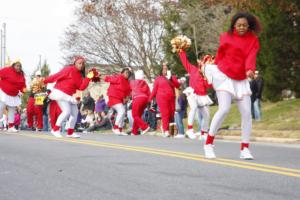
(12, 84)
(118, 91)
(68, 81)
(164, 91)
(140, 93)
(197, 97)
(235, 61)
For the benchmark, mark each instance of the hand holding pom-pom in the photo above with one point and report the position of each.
(94, 75)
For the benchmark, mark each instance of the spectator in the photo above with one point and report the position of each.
(88, 102)
(180, 110)
(258, 94)
(102, 124)
(100, 105)
(17, 121)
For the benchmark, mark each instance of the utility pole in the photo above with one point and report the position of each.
(4, 44)
(195, 39)
(1, 50)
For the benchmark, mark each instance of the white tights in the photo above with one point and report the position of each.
(70, 111)
(11, 112)
(204, 110)
(244, 106)
(120, 114)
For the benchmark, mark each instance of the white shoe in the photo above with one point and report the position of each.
(198, 133)
(122, 134)
(209, 151)
(166, 134)
(116, 131)
(145, 131)
(246, 155)
(74, 135)
(12, 130)
(56, 133)
(179, 136)
(190, 134)
(203, 137)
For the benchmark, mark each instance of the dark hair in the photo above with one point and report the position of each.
(13, 65)
(254, 24)
(160, 73)
(126, 69)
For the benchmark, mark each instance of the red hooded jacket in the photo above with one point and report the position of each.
(139, 88)
(118, 89)
(11, 81)
(68, 80)
(164, 88)
(237, 54)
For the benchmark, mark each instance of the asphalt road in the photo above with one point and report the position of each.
(103, 166)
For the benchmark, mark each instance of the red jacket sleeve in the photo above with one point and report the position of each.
(220, 52)
(175, 82)
(3, 72)
(187, 65)
(53, 78)
(112, 79)
(250, 63)
(154, 90)
(84, 84)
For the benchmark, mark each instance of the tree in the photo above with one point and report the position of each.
(120, 33)
(45, 70)
(199, 20)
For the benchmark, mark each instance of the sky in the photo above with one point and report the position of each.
(35, 28)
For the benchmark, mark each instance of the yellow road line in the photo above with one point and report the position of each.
(189, 156)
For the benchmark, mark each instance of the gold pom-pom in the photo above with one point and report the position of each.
(180, 43)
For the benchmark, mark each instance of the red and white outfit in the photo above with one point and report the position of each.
(197, 96)
(54, 112)
(34, 112)
(118, 90)
(164, 91)
(68, 81)
(236, 55)
(12, 83)
(140, 92)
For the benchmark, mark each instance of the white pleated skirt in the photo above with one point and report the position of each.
(221, 82)
(200, 100)
(11, 101)
(58, 95)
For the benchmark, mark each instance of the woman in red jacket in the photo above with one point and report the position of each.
(164, 91)
(140, 92)
(118, 91)
(235, 61)
(12, 84)
(197, 97)
(68, 81)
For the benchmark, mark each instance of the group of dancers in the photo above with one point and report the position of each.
(235, 61)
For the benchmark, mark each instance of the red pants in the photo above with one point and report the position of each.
(54, 112)
(138, 107)
(167, 110)
(36, 112)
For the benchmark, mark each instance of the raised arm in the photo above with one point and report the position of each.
(187, 65)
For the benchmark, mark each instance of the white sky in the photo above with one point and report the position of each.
(35, 27)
